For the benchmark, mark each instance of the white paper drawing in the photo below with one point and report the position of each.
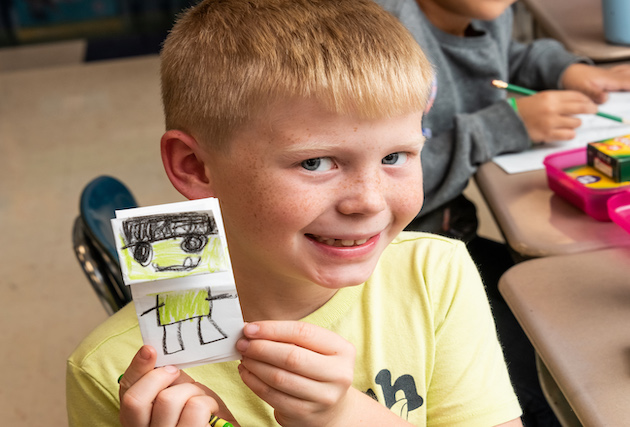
(175, 259)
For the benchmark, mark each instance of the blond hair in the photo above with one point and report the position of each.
(226, 61)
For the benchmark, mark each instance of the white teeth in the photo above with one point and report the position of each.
(339, 242)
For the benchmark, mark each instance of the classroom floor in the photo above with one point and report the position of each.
(59, 128)
(57, 132)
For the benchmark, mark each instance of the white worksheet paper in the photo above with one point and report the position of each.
(594, 128)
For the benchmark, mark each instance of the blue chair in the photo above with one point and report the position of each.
(93, 239)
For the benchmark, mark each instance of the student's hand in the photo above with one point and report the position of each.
(596, 82)
(302, 370)
(165, 396)
(305, 373)
(550, 115)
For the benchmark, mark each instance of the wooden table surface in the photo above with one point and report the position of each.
(575, 309)
(536, 222)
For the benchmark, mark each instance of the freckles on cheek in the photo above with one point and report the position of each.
(288, 207)
(413, 200)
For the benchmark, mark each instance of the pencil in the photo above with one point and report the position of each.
(218, 422)
(524, 91)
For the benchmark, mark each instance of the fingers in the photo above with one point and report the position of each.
(615, 78)
(279, 400)
(288, 382)
(599, 97)
(556, 135)
(166, 396)
(290, 355)
(296, 365)
(222, 411)
(183, 404)
(554, 103)
(184, 378)
(550, 115)
(593, 91)
(622, 75)
(596, 81)
(302, 334)
(293, 358)
(142, 363)
(571, 103)
(136, 403)
(197, 411)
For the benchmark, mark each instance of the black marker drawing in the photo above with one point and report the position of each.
(141, 234)
(176, 262)
(190, 307)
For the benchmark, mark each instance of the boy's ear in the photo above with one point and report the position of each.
(184, 165)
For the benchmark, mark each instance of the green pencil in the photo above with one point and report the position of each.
(524, 91)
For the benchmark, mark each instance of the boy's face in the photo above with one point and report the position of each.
(312, 197)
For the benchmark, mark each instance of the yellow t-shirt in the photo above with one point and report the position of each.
(425, 340)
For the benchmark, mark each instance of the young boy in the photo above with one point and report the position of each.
(304, 118)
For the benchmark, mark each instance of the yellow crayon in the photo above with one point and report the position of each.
(218, 422)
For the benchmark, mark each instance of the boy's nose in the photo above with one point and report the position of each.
(363, 195)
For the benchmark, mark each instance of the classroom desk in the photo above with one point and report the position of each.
(575, 309)
(578, 24)
(535, 222)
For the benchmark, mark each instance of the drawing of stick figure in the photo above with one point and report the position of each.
(188, 308)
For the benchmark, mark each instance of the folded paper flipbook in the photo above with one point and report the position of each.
(176, 261)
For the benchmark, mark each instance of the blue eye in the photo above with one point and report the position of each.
(394, 159)
(318, 164)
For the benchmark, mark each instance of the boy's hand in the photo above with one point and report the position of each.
(165, 396)
(550, 115)
(302, 370)
(596, 82)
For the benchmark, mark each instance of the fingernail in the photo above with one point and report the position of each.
(242, 344)
(251, 329)
(171, 369)
(145, 353)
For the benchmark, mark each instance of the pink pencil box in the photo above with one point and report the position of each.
(569, 176)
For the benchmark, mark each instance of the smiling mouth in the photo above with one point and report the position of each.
(341, 243)
(187, 265)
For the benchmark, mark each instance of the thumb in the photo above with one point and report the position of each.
(142, 363)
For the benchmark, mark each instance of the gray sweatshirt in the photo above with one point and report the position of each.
(470, 120)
